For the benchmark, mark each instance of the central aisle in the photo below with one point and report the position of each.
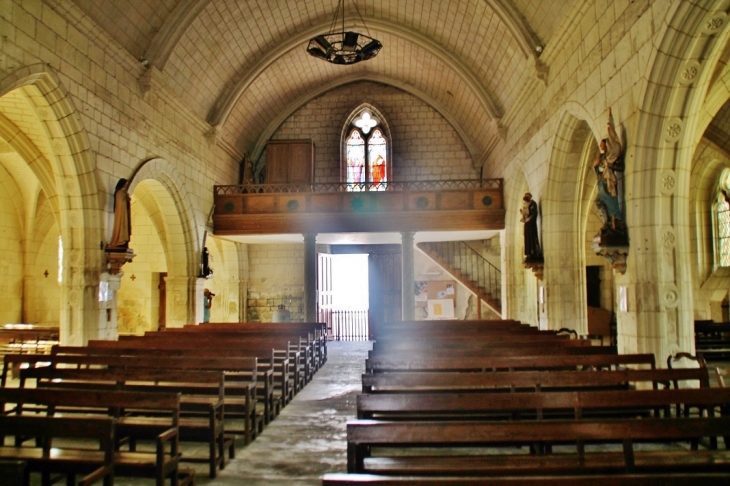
(308, 438)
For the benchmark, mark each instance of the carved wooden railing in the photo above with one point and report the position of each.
(333, 207)
(445, 185)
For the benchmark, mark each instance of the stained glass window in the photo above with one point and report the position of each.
(367, 155)
(355, 158)
(723, 230)
(378, 160)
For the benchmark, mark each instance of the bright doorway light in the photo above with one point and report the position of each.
(350, 282)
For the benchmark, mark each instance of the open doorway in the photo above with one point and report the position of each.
(343, 295)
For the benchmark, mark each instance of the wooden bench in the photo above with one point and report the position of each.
(538, 406)
(274, 359)
(494, 363)
(265, 384)
(485, 440)
(95, 462)
(140, 416)
(596, 479)
(241, 374)
(202, 392)
(712, 340)
(477, 343)
(444, 381)
(317, 329)
(436, 352)
(208, 336)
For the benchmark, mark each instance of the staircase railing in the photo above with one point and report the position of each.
(477, 272)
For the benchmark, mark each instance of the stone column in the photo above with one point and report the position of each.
(407, 264)
(243, 273)
(310, 277)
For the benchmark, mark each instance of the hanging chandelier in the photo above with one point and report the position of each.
(344, 47)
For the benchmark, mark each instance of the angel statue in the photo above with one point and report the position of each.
(606, 166)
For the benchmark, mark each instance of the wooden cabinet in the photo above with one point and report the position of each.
(289, 162)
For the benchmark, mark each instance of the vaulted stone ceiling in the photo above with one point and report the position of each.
(241, 65)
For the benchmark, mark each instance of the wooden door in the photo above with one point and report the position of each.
(385, 276)
(289, 162)
(324, 290)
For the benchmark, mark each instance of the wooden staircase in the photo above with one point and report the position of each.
(470, 268)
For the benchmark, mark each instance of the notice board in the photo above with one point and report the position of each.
(434, 290)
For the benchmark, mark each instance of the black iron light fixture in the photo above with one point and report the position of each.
(344, 47)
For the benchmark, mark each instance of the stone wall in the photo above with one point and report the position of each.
(276, 276)
(424, 145)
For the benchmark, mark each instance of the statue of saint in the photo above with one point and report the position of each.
(122, 230)
(606, 166)
(529, 217)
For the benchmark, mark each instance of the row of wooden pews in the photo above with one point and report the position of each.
(208, 384)
(712, 340)
(472, 402)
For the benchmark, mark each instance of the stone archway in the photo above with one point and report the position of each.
(565, 208)
(65, 168)
(670, 122)
(160, 189)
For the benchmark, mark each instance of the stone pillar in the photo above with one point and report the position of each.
(243, 274)
(310, 277)
(109, 286)
(408, 294)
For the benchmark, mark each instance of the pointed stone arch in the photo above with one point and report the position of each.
(565, 206)
(670, 122)
(183, 234)
(69, 181)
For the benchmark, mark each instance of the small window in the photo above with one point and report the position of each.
(366, 152)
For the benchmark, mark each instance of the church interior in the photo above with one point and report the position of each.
(561, 165)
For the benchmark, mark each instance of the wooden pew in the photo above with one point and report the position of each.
(194, 386)
(438, 354)
(241, 373)
(444, 381)
(493, 363)
(596, 479)
(365, 437)
(299, 353)
(269, 365)
(155, 417)
(536, 406)
(712, 340)
(95, 462)
(479, 342)
(304, 343)
(316, 332)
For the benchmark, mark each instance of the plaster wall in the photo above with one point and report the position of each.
(276, 276)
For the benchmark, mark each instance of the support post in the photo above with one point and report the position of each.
(310, 277)
(408, 293)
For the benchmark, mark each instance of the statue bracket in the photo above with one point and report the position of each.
(615, 254)
(536, 264)
(117, 257)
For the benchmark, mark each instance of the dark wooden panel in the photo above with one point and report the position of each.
(289, 162)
